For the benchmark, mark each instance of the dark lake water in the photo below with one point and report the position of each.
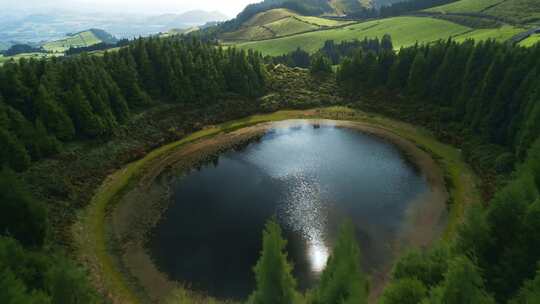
(311, 179)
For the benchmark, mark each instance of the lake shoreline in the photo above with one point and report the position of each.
(130, 229)
(93, 234)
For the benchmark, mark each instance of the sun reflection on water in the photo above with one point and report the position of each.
(318, 256)
(306, 213)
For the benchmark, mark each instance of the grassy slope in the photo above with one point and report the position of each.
(532, 40)
(269, 17)
(405, 31)
(83, 39)
(521, 11)
(322, 21)
(90, 230)
(465, 6)
(290, 26)
(3, 59)
(277, 23)
(500, 34)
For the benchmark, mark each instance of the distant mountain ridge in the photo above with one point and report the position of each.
(35, 28)
(196, 17)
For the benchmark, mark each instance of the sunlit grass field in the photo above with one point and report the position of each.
(500, 34)
(405, 31)
(278, 23)
(531, 41)
(82, 39)
(465, 6)
(521, 11)
(4, 59)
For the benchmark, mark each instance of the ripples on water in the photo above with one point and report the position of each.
(311, 179)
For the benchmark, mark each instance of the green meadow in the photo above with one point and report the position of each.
(83, 39)
(405, 31)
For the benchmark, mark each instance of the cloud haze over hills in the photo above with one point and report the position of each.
(228, 7)
(33, 21)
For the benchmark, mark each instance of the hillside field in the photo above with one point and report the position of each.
(465, 6)
(532, 40)
(278, 23)
(500, 34)
(405, 31)
(82, 39)
(518, 11)
(4, 59)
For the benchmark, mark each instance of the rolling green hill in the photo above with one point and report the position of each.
(280, 31)
(532, 40)
(500, 34)
(278, 23)
(405, 31)
(517, 11)
(81, 39)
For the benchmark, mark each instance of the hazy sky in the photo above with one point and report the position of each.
(228, 7)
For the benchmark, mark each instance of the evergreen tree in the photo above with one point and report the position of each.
(404, 291)
(321, 66)
(386, 43)
(12, 153)
(462, 284)
(21, 217)
(275, 283)
(416, 82)
(86, 122)
(54, 117)
(530, 293)
(343, 281)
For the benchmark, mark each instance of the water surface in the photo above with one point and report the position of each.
(311, 178)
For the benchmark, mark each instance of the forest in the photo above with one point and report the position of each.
(44, 104)
(48, 105)
(482, 97)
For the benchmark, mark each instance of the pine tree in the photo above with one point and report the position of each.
(386, 43)
(54, 117)
(86, 122)
(416, 83)
(462, 284)
(342, 281)
(320, 66)
(275, 283)
(21, 217)
(404, 291)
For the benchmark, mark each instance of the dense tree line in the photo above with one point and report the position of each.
(397, 9)
(486, 92)
(21, 49)
(96, 47)
(334, 52)
(30, 270)
(49, 102)
(485, 97)
(400, 8)
(303, 7)
(337, 51)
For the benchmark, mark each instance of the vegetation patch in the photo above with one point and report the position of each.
(278, 23)
(500, 34)
(405, 31)
(529, 42)
(466, 6)
(82, 39)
